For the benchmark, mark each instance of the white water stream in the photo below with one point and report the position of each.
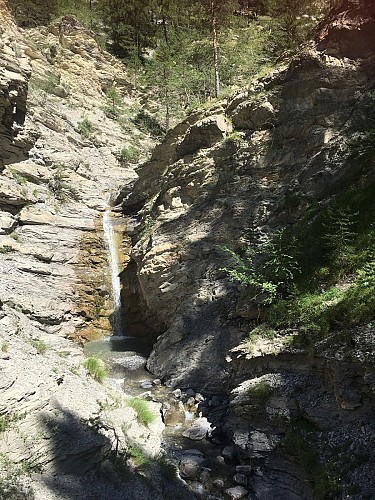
(114, 268)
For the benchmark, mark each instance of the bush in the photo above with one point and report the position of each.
(144, 415)
(128, 154)
(139, 459)
(6, 249)
(95, 367)
(261, 391)
(59, 185)
(86, 128)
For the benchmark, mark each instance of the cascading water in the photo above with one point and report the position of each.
(114, 268)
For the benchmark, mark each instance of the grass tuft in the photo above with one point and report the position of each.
(95, 367)
(144, 415)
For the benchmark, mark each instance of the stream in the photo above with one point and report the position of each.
(206, 464)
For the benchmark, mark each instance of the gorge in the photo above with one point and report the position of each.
(236, 255)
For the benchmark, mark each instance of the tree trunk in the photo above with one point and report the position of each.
(215, 45)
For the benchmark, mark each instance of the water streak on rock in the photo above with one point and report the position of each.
(114, 268)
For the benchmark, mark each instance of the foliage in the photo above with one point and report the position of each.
(326, 280)
(113, 109)
(261, 392)
(95, 367)
(267, 268)
(138, 456)
(128, 154)
(144, 415)
(6, 249)
(40, 346)
(59, 185)
(144, 121)
(19, 178)
(12, 480)
(86, 128)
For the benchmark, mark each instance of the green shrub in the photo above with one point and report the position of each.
(144, 415)
(95, 367)
(40, 346)
(19, 178)
(86, 128)
(113, 108)
(128, 154)
(261, 391)
(139, 459)
(144, 121)
(6, 249)
(12, 483)
(267, 268)
(59, 185)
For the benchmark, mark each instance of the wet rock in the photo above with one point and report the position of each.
(220, 460)
(177, 393)
(190, 466)
(236, 493)
(228, 453)
(219, 484)
(199, 398)
(146, 384)
(215, 401)
(200, 429)
(156, 381)
(190, 393)
(240, 479)
(173, 413)
(205, 476)
(244, 469)
(198, 489)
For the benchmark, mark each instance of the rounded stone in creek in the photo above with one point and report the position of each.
(146, 384)
(240, 479)
(173, 413)
(244, 469)
(156, 381)
(219, 484)
(190, 466)
(131, 362)
(219, 460)
(236, 493)
(190, 393)
(177, 393)
(199, 398)
(205, 476)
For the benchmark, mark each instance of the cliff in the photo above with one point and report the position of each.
(257, 163)
(62, 434)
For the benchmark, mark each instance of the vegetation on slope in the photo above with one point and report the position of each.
(171, 52)
(318, 276)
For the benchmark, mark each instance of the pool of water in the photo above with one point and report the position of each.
(125, 359)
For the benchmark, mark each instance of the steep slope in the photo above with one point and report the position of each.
(62, 434)
(302, 136)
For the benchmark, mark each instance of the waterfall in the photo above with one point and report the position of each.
(114, 268)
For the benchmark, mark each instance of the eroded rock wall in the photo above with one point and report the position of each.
(293, 144)
(55, 181)
(294, 130)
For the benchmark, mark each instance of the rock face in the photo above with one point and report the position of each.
(174, 285)
(56, 177)
(294, 140)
